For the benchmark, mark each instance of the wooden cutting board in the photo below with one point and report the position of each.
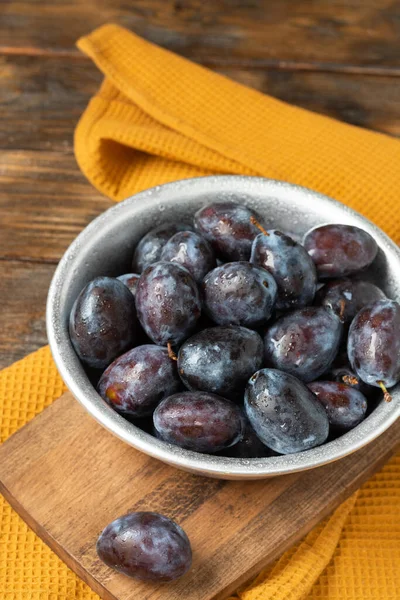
(68, 478)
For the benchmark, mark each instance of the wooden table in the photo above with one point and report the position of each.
(338, 58)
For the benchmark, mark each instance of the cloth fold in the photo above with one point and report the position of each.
(157, 118)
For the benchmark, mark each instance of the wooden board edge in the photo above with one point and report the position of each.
(384, 453)
(303, 531)
(52, 543)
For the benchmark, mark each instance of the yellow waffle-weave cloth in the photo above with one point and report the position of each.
(158, 118)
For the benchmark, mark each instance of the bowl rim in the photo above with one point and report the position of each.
(77, 382)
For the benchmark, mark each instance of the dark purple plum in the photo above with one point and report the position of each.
(303, 342)
(239, 293)
(147, 546)
(285, 415)
(103, 322)
(131, 281)
(250, 446)
(346, 297)
(198, 421)
(137, 381)
(192, 251)
(374, 344)
(221, 360)
(148, 250)
(340, 250)
(345, 375)
(168, 303)
(228, 228)
(290, 265)
(345, 405)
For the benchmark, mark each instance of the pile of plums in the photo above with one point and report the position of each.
(235, 339)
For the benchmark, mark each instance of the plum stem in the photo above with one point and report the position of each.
(171, 353)
(386, 395)
(342, 304)
(350, 380)
(258, 225)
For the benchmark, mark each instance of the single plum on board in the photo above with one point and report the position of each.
(136, 382)
(168, 303)
(303, 342)
(340, 250)
(289, 264)
(192, 251)
(147, 546)
(374, 344)
(345, 406)
(221, 360)
(239, 293)
(285, 415)
(103, 322)
(229, 229)
(346, 297)
(149, 249)
(199, 421)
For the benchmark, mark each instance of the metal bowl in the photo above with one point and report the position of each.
(105, 247)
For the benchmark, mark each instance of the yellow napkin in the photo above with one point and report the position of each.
(158, 118)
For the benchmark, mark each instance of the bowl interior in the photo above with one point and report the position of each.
(106, 246)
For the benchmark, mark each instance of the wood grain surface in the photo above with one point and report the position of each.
(23, 288)
(68, 478)
(338, 58)
(329, 34)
